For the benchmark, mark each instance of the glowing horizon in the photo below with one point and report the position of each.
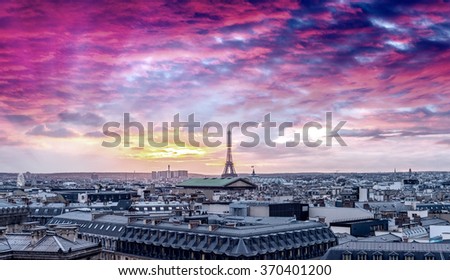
(382, 66)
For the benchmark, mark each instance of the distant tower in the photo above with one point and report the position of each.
(253, 172)
(229, 171)
(168, 171)
(410, 173)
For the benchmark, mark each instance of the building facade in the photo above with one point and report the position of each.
(218, 239)
(12, 215)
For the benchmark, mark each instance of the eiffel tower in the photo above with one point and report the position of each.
(229, 171)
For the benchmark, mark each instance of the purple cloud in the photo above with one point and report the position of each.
(43, 130)
(88, 119)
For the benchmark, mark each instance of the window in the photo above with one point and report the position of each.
(409, 257)
(347, 256)
(362, 256)
(377, 257)
(393, 256)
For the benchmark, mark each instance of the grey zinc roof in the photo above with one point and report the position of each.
(388, 237)
(76, 215)
(113, 219)
(4, 245)
(236, 241)
(402, 246)
(4, 204)
(18, 241)
(55, 243)
(253, 220)
(109, 225)
(426, 222)
(345, 237)
(48, 243)
(418, 250)
(238, 231)
(250, 236)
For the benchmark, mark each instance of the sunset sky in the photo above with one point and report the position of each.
(67, 67)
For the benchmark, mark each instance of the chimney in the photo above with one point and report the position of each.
(96, 215)
(155, 222)
(69, 232)
(27, 226)
(193, 224)
(213, 227)
(132, 219)
(3, 232)
(231, 225)
(37, 234)
(52, 226)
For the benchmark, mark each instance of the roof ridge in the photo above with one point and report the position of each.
(55, 237)
(6, 242)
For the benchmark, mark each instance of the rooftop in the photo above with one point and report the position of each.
(419, 251)
(5, 204)
(106, 225)
(388, 237)
(394, 246)
(20, 245)
(214, 182)
(250, 226)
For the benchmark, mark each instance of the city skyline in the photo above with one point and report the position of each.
(381, 66)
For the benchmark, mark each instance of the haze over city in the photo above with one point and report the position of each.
(68, 68)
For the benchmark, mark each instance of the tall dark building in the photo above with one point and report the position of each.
(229, 170)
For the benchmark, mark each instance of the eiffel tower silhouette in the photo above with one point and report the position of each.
(229, 171)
